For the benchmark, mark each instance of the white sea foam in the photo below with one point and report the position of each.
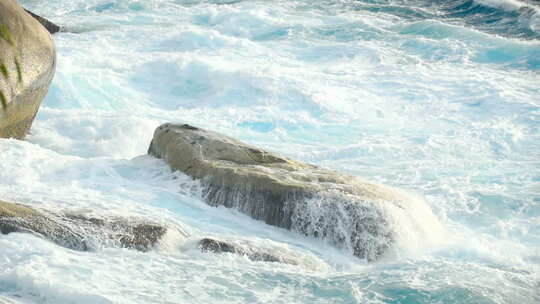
(529, 10)
(510, 5)
(442, 110)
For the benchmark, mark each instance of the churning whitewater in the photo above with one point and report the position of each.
(438, 99)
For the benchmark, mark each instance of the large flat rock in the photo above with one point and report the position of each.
(349, 212)
(28, 56)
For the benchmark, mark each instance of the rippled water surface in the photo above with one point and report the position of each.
(439, 98)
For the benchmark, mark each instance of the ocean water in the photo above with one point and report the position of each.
(438, 98)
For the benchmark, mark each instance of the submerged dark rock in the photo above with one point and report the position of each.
(347, 211)
(51, 27)
(216, 246)
(79, 232)
(27, 65)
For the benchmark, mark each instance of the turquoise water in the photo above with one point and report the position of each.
(439, 98)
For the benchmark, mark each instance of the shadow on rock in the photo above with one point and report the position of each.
(51, 27)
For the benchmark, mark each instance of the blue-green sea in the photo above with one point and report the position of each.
(438, 98)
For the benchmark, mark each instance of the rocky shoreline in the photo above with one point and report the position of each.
(346, 211)
(89, 233)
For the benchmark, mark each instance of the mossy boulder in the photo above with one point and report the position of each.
(344, 210)
(80, 232)
(27, 65)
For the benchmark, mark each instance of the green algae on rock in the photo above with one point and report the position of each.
(27, 60)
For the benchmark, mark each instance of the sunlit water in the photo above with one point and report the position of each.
(439, 98)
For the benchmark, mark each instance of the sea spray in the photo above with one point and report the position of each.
(406, 93)
(369, 228)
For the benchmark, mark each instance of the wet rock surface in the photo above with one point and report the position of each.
(79, 232)
(345, 210)
(254, 254)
